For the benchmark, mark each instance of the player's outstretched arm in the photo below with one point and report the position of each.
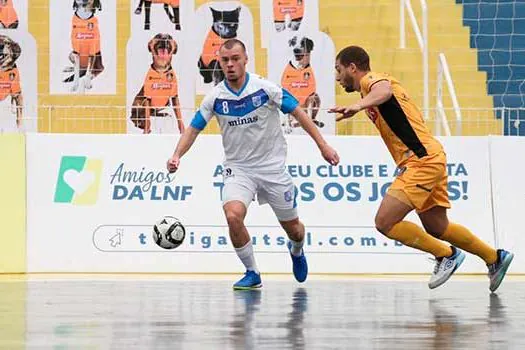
(185, 142)
(379, 93)
(329, 154)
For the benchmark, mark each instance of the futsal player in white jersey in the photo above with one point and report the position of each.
(247, 109)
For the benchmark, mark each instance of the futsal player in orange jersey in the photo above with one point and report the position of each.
(422, 182)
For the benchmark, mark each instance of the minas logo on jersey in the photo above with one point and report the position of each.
(79, 183)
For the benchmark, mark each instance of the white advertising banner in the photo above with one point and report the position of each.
(508, 190)
(92, 201)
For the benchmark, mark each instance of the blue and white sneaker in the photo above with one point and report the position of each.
(498, 270)
(445, 267)
(251, 280)
(300, 266)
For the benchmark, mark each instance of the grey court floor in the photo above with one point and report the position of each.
(152, 312)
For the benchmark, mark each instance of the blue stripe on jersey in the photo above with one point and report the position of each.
(242, 107)
(198, 121)
(289, 102)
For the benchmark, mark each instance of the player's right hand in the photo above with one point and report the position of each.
(173, 164)
(330, 154)
(345, 112)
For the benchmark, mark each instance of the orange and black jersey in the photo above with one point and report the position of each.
(400, 122)
(9, 83)
(160, 87)
(281, 8)
(85, 38)
(8, 14)
(300, 82)
(210, 49)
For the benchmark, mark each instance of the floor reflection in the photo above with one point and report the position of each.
(169, 314)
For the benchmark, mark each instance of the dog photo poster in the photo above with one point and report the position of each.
(284, 17)
(18, 82)
(160, 90)
(83, 47)
(304, 65)
(161, 16)
(216, 22)
(13, 14)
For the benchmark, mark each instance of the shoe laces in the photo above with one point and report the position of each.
(437, 264)
(493, 267)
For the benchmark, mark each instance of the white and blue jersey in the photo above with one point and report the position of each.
(250, 123)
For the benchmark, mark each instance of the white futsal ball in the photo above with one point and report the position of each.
(169, 232)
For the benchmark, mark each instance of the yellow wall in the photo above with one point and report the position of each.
(346, 21)
(13, 207)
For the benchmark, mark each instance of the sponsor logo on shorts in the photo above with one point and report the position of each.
(228, 172)
(288, 196)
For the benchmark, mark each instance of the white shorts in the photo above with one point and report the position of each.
(276, 189)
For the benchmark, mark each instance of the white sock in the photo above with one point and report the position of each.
(246, 255)
(297, 247)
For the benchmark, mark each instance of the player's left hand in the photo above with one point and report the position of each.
(173, 164)
(345, 112)
(329, 154)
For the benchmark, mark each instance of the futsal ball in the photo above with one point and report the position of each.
(169, 232)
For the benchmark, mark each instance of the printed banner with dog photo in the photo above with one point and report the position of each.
(83, 47)
(216, 22)
(283, 18)
(161, 16)
(13, 14)
(160, 90)
(18, 82)
(304, 65)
